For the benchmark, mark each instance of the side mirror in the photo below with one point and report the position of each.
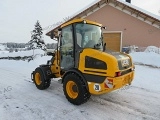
(52, 35)
(50, 54)
(104, 27)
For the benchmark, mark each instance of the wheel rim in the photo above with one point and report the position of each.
(72, 89)
(38, 79)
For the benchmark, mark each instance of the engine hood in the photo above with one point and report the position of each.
(124, 60)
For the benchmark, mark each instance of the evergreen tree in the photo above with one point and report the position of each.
(36, 37)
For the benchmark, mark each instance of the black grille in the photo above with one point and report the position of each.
(126, 71)
(94, 63)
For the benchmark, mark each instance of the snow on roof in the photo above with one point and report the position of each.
(84, 8)
(126, 3)
(96, 1)
(56, 25)
(140, 9)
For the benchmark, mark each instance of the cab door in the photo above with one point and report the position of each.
(66, 48)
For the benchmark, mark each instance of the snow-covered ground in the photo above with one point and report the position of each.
(21, 53)
(21, 100)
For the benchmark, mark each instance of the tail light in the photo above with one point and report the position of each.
(133, 68)
(117, 74)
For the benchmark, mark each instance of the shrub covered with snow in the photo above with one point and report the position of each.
(152, 49)
(23, 53)
(2, 47)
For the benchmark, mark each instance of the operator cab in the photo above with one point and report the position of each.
(75, 37)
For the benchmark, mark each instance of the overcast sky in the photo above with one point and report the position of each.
(18, 17)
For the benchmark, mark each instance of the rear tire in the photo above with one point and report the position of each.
(75, 89)
(39, 79)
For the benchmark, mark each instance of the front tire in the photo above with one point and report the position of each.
(75, 89)
(39, 79)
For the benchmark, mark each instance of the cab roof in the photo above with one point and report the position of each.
(55, 30)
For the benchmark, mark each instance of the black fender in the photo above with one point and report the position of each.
(32, 75)
(46, 71)
(73, 70)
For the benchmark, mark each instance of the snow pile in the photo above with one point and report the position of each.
(3, 52)
(23, 53)
(150, 57)
(152, 49)
(2, 47)
(31, 65)
(39, 61)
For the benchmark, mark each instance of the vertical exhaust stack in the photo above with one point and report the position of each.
(129, 1)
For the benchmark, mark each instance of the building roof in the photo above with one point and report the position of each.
(140, 9)
(125, 7)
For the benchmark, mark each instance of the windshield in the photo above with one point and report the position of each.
(89, 36)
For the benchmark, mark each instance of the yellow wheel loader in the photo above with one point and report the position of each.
(83, 63)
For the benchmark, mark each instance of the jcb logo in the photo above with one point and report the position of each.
(125, 62)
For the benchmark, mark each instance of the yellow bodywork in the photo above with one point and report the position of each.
(118, 82)
(113, 82)
(112, 68)
(80, 20)
(107, 58)
(55, 68)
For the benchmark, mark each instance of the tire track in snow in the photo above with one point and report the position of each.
(118, 103)
(41, 103)
(148, 65)
(120, 108)
(15, 73)
(53, 93)
(149, 93)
